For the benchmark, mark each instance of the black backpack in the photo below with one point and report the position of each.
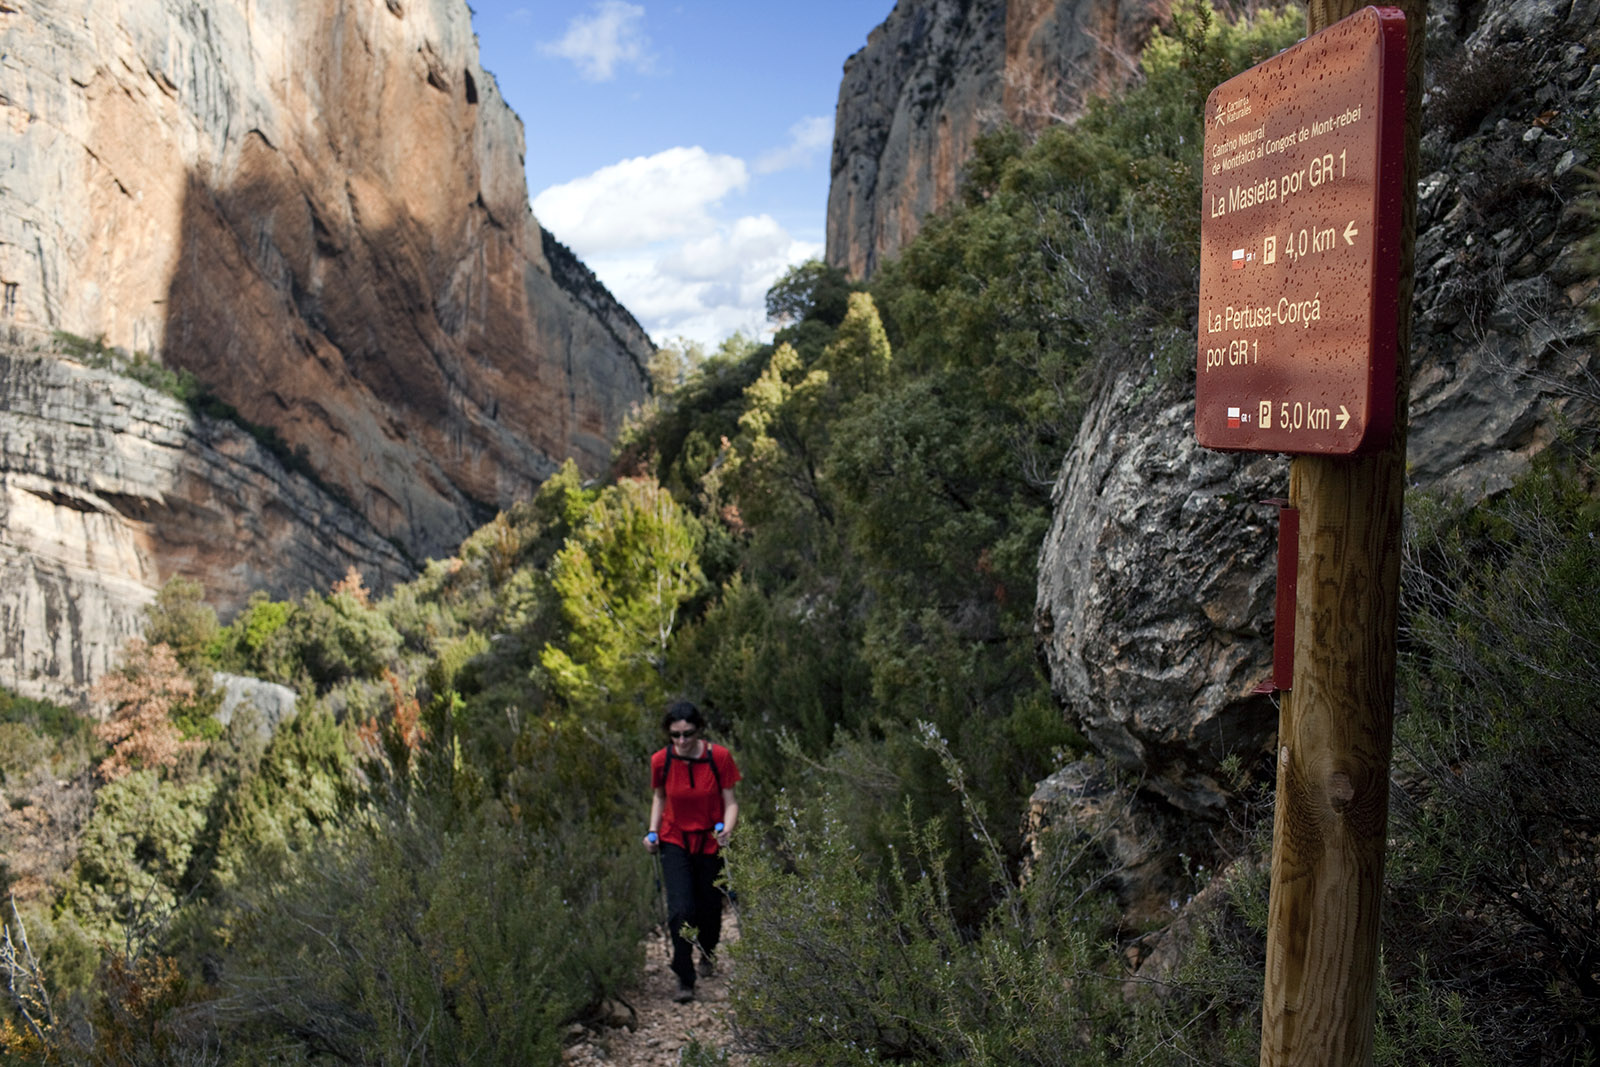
(709, 757)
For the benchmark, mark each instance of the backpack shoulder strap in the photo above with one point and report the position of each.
(711, 758)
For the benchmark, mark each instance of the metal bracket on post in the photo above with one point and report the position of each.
(1288, 578)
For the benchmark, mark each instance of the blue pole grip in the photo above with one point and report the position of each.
(652, 837)
(717, 829)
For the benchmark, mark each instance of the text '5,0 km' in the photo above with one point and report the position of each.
(1300, 245)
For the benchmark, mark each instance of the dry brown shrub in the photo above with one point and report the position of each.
(142, 695)
(353, 585)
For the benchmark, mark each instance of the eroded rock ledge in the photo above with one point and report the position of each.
(108, 488)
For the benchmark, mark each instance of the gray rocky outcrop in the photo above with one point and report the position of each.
(1504, 354)
(935, 75)
(264, 705)
(318, 209)
(1156, 579)
(1087, 814)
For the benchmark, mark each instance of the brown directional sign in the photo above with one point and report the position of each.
(1300, 245)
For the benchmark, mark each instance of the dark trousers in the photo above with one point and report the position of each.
(693, 899)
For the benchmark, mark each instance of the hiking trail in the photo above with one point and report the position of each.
(663, 1030)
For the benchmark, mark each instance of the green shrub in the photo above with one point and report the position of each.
(773, 666)
(1494, 881)
(303, 789)
(417, 614)
(622, 578)
(694, 1054)
(838, 966)
(1423, 1020)
(318, 642)
(454, 657)
(247, 645)
(133, 866)
(21, 749)
(703, 410)
(46, 718)
(459, 946)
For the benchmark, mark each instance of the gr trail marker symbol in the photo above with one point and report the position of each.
(1300, 235)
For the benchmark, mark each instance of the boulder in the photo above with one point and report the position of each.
(1156, 586)
(268, 704)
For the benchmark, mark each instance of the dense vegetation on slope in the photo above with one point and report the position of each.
(830, 543)
(433, 858)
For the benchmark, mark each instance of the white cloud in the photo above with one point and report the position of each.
(719, 255)
(707, 285)
(655, 230)
(806, 138)
(612, 34)
(640, 201)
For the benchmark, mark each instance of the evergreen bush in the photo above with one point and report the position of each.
(1494, 880)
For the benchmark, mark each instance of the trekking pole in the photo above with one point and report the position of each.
(727, 875)
(661, 892)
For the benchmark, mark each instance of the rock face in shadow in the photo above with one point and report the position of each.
(1504, 352)
(935, 75)
(318, 208)
(1156, 579)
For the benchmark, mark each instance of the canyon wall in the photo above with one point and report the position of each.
(935, 75)
(318, 209)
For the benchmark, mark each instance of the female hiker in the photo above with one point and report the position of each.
(691, 782)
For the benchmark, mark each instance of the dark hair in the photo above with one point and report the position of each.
(683, 711)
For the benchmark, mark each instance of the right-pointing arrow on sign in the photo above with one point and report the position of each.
(1344, 417)
(1350, 232)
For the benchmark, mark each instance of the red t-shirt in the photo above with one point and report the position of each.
(694, 796)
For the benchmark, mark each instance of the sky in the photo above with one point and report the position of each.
(680, 147)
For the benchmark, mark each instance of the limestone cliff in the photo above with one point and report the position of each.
(936, 74)
(318, 208)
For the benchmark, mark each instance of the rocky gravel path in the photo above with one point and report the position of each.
(663, 1032)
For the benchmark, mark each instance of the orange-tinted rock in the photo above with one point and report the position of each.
(935, 75)
(318, 207)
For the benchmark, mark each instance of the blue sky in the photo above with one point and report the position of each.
(680, 148)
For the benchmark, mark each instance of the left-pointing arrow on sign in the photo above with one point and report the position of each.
(1350, 232)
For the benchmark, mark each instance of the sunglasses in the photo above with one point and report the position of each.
(682, 733)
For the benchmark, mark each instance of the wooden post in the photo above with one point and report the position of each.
(1335, 727)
